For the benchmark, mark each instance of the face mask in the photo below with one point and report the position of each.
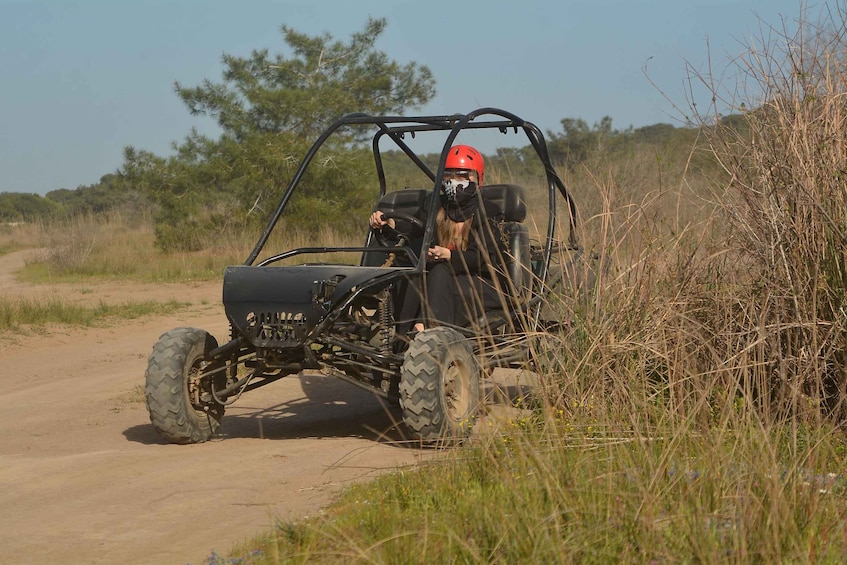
(459, 199)
(458, 191)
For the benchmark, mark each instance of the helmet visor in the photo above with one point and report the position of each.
(459, 174)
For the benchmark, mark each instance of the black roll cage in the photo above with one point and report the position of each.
(397, 128)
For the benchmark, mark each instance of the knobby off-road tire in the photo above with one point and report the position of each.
(175, 357)
(440, 386)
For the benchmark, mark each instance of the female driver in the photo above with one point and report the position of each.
(466, 273)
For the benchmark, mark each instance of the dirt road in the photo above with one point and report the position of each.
(85, 479)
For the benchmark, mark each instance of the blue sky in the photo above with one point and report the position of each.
(83, 79)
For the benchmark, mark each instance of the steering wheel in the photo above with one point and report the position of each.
(387, 236)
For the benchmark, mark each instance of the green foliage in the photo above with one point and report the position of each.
(112, 192)
(270, 109)
(181, 227)
(578, 142)
(22, 207)
(303, 94)
(339, 185)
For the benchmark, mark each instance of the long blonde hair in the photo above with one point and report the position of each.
(448, 235)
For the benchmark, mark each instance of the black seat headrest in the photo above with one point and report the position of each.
(510, 200)
(410, 200)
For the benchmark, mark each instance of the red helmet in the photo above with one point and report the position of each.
(465, 157)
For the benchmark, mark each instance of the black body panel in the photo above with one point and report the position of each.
(278, 307)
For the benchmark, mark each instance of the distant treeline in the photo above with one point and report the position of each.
(574, 145)
(110, 193)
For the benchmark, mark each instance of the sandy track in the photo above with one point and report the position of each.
(85, 479)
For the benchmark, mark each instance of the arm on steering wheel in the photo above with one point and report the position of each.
(388, 236)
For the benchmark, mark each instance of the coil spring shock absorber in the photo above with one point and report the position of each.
(386, 320)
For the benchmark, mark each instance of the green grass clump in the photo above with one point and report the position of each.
(16, 313)
(554, 492)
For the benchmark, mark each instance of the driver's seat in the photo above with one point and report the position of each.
(509, 201)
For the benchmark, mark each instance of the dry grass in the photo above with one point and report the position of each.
(116, 246)
(692, 407)
(17, 236)
(692, 410)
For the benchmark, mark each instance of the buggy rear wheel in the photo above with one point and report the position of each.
(180, 405)
(440, 386)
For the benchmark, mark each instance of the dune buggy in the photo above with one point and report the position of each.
(295, 310)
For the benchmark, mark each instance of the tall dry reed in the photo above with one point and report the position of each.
(786, 212)
(711, 300)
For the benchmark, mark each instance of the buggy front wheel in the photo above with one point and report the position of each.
(181, 406)
(440, 386)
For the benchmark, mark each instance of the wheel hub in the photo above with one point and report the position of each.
(456, 391)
